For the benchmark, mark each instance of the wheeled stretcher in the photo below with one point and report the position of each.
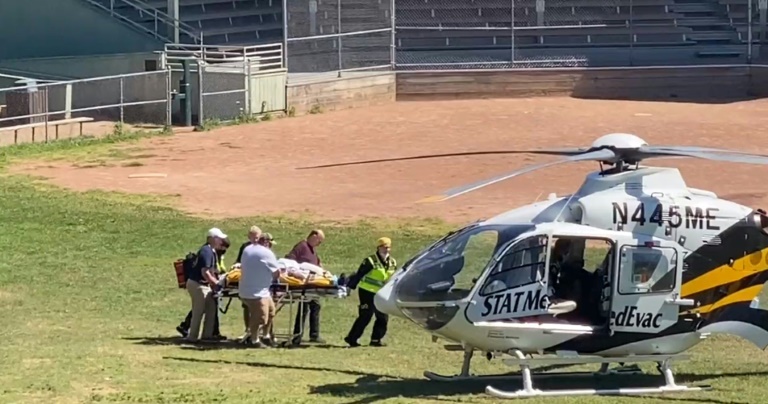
(289, 291)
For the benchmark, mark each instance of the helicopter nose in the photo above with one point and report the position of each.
(384, 300)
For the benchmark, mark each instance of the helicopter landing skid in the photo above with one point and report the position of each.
(467, 376)
(528, 390)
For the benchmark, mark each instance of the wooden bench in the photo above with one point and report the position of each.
(35, 125)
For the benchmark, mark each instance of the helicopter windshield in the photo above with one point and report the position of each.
(448, 269)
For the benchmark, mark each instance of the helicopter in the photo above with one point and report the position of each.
(635, 266)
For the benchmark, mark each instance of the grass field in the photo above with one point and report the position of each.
(88, 295)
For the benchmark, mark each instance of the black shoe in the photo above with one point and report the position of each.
(352, 344)
(378, 343)
(182, 331)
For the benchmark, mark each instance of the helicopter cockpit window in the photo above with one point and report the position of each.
(646, 270)
(523, 264)
(450, 268)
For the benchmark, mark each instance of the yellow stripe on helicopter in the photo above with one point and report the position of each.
(725, 274)
(744, 295)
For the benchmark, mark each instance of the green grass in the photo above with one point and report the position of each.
(89, 302)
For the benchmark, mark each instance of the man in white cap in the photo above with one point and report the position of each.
(200, 282)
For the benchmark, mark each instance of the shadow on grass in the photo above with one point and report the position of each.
(215, 345)
(377, 387)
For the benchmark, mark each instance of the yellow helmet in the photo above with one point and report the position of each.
(384, 241)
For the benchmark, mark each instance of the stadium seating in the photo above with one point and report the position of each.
(358, 51)
(234, 22)
(561, 23)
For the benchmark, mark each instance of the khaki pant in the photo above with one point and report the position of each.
(203, 305)
(261, 313)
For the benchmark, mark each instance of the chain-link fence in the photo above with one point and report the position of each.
(31, 111)
(339, 35)
(450, 34)
(223, 91)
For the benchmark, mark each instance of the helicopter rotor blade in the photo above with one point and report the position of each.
(711, 154)
(701, 149)
(556, 152)
(598, 155)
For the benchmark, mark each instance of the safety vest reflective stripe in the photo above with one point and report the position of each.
(378, 276)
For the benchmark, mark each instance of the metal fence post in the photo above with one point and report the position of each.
(168, 98)
(247, 74)
(285, 34)
(338, 16)
(122, 100)
(393, 41)
(512, 33)
(749, 31)
(200, 68)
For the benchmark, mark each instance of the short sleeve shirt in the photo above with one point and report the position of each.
(206, 258)
(257, 268)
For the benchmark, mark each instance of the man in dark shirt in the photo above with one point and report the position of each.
(201, 283)
(183, 328)
(304, 251)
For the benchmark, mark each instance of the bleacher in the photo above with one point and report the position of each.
(305, 20)
(230, 22)
(737, 11)
(560, 23)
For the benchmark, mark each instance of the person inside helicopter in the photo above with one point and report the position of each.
(575, 290)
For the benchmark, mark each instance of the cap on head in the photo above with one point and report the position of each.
(216, 232)
(267, 237)
(384, 242)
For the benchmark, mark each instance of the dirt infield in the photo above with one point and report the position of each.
(252, 170)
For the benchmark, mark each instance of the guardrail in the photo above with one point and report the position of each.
(261, 58)
(159, 19)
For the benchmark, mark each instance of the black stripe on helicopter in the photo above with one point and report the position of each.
(689, 217)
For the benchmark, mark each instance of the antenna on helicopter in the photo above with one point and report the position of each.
(621, 150)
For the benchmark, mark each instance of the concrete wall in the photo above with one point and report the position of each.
(699, 84)
(353, 91)
(49, 28)
(758, 83)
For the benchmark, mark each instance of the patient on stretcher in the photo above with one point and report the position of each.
(291, 273)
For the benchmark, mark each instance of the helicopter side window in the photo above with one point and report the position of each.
(523, 264)
(646, 270)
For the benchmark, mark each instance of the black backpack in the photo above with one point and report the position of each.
(189, 263)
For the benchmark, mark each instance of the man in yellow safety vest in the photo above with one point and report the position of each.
(373, 273)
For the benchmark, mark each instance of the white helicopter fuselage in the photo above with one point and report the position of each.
(647, 207)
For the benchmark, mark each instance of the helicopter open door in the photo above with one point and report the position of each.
(646, 286)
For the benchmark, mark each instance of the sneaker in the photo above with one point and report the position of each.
(268, 342)
(182, 331)
(378, 343)
(317, 340)
(352, 344)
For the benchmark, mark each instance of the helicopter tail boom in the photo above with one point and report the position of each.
(741, 319)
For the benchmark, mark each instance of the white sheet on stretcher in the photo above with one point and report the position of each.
(337, 292)
(300, 271)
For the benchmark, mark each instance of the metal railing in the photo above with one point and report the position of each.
(160, 20)
(339, 36)
(268, 57)
(451, 34)
(129, 98)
